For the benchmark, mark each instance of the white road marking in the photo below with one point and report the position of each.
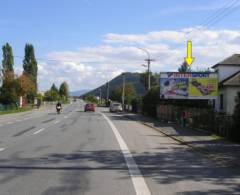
(36, 132)
(65, 116)
(138, 181)
(18, 120)
(9, 123)
(56, 122)
(1, 149)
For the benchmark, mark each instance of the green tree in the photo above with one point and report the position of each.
(91, 99)
(30, 64)
(7, 61)
(184, 67)
(130, 93)
(64, 90)
(144, 79)
(54, 88)
(150, 101)
(9, 90)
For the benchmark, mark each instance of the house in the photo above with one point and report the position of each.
(229, 83)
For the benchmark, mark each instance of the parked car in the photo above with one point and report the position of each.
(89, 108)
(116, 107)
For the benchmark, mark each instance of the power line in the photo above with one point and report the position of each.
(227, 12)
(217, 15)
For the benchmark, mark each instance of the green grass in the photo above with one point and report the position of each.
(16, 110)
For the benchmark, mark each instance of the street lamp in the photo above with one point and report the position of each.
(148, 60)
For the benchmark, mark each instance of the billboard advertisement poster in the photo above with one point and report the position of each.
(174, 85)
(199, 87)
(174, 88)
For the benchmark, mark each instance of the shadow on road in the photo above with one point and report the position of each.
(172, 167)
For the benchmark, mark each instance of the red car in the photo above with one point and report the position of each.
(89, 107)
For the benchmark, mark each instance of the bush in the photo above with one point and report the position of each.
(150, 101)
(91, 99)
(136, 104)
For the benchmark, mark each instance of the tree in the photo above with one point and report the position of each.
(130, 94)
(26, 84)
(91, 99)
(9, 90)
(144, 79)
(184, 67)
(30, 64)
(150, 101)
(64, 90)
(8, 61)
(54, 88)
(236, 117)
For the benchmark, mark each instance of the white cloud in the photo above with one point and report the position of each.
(90, 67)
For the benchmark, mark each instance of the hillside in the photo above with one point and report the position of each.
(79, 93)
(130, 78)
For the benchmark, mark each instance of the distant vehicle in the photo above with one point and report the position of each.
(116, 107)
(89, 108)
(74, 100)
(58, 107)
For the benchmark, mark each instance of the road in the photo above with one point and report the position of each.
(100, 153)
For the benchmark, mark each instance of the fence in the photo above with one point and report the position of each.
(197, 118)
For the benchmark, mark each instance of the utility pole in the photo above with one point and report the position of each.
(123, 91)
(148, 60)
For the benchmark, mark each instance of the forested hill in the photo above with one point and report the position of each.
(130, 78)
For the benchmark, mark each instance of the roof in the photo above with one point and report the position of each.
(233, 60)
(232, 80)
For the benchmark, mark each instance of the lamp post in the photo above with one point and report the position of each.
(148, 60)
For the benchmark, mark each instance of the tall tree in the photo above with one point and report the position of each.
(184, 68)
(30, 63)
(130, 93)
(9, 90)
(64, 90)
(54, 88)
(144, 79)
(7, 61)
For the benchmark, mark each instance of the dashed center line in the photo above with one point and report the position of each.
(40, 130)
(1, 149)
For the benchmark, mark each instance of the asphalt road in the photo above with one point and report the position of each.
(100, 154)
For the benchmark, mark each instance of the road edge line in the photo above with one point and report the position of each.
(137, 178)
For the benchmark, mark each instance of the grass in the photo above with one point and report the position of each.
(16, 110)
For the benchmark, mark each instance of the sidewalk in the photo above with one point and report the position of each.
(221, 151)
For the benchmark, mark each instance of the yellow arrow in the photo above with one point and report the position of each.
(189, 59)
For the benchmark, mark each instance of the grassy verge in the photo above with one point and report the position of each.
(16, 110)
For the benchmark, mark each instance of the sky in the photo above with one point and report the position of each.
(88, 42)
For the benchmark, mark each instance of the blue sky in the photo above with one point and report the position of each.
(69, 30)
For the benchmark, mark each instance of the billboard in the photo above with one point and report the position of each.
(194, 85)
